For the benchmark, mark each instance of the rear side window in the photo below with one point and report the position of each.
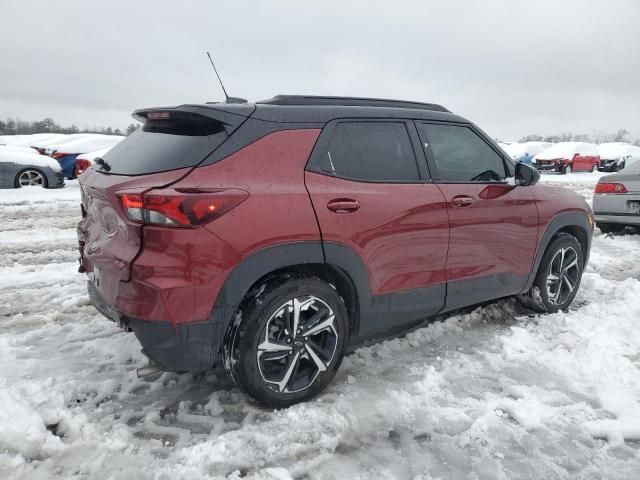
(461, 155)
(181, 141)
(371, 151)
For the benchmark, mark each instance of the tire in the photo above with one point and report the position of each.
(565, 169)
(558, 278)
(610, 227)
(272, 361)
(594, 168)
(30, 177)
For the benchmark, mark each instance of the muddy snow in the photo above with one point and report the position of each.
(497, 393)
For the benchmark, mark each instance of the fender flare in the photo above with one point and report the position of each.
(259, 264)
(575, 219)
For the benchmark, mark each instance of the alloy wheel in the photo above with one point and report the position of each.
(297, 344)
(31, 178)
(563, 275)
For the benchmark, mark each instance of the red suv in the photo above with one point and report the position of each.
(270, 237)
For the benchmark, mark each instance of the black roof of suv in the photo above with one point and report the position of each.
(319, 109)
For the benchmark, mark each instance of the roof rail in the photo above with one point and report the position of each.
(312, 100)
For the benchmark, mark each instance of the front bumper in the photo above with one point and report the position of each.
(547, 166)
(180, 347)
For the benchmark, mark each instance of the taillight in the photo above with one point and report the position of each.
(610, 188)
(81, 166)
(180, 207)
(58, 155)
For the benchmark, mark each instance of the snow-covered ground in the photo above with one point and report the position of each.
(493, 394)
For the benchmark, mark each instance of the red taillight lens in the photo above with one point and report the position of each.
(81, 166)
(58, 155)
(180, 207)
(610, 188)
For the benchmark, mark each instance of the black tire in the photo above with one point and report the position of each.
(565, 169)
(271, 305)
(594, 168)
(16, 181)
(538, 297)
(610, 227)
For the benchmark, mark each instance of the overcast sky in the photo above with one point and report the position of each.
(513, 67)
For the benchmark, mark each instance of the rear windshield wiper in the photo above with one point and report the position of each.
(101, 161)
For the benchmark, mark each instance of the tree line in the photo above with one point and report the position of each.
(12, 126)
(622, 135)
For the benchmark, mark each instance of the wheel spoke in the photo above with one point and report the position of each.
(552, 278)
(569, 285)
(316, 359)
(269, 346)
(328, 323)
(298, 306)
(282, 384)
(571, 264)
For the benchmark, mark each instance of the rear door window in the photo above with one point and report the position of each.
(371, 152)
(460, 154)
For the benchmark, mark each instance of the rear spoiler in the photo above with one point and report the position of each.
(230, 115)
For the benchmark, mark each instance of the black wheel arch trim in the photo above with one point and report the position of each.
(563, 220)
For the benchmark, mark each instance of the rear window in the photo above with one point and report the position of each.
(181, 141)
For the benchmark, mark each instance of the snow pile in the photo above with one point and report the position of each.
(47, 142)
(616, 150)
(567, 150)
(9, 155)
(87, 144)
(29, 140)
(518, 150)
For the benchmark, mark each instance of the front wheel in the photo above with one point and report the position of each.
(558, 278)
(565, 169)
(594, 167)
(30, 178)
(288, 340)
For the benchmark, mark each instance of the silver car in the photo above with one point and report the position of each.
(616, 201)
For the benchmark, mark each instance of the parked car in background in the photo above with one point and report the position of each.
(84, 161)
(616, 200)
(614, 156)
(67, 152)
(565, 157)
(524, 152)
(23, 169)
(268, 238)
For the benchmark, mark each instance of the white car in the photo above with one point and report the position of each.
(614, 156)
(616, 200)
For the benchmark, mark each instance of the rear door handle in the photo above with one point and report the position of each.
(343, 205)
(462, 201)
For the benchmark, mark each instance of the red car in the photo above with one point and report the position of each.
(565, 157)
(268, 238)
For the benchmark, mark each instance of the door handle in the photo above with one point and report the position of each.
(343, 205)
(462, 201)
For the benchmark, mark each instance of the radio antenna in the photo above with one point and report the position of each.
(228, 99)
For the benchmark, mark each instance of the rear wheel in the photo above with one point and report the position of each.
(30, 178)
(288, 340)
(610, 227)
(565, 169)
(594, 167)
(558, 278)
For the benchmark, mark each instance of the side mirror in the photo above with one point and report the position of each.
(526, 175)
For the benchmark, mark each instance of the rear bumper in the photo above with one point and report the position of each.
(183, 347)
(624, 219)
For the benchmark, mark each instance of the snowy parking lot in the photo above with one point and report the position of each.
(497, 393)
